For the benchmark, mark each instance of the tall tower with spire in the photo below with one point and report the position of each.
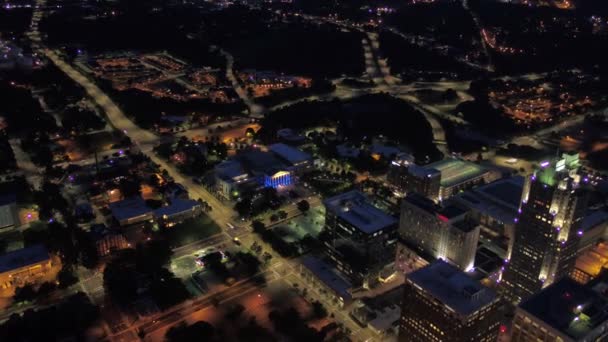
(548, 228)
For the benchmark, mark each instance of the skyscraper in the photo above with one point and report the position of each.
(548, 229)
(441, 303)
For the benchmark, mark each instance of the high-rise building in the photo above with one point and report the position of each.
(439, 231)
(565, 311)
(441, 303)
(548, 229)
(408, 177)
(360, 239)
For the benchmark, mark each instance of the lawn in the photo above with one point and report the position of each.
(191, 231)
(297, 228)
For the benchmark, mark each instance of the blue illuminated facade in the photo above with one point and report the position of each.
(282, 178)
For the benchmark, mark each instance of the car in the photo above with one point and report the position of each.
(237, 241)
(200, 262)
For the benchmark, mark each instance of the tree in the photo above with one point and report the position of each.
(258, 226)
(24, 293)
(282, 214)
(250, 263)
(254, 331)
(164, 149)
(303, 206)
(79, 120)
(167, 290)
(199, 331)
(243, 207)
(235, 311)
(120, 279)
(318, 310)
(67, 320)
(291, 324)
(152, 255)
(130, 187)
(66, 277)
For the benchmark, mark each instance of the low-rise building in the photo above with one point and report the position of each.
(177, 211)
(297, 160)
(380, 313)
(24, 266)
(106, 240)
(278, 167)
(458, 174)
(9, 216)
(564, 311)
(325, 279)
(230, 178)
(131, 211)
(590, 263)
(595, 229)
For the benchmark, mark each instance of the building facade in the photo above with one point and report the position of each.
(359, 239)
(9, 217)
(442, 232)
(24, 266)
(548, 229)
(441, 303)
(407, 177)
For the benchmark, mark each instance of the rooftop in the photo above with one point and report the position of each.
(594, 260)
(23, 257)
(326, 274)
(290, 154)
(230, 170)
(100, 231)
(451, 211)
(594, 219)
(448, 212)
(354, 208)
(499, 199)
(129, 208)
(6, 199)
(452, 287)
(420, 171)
(507, 191)
(455, 171)
(176, 206)
(257, 161)
(8, 216)
(568, 307)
